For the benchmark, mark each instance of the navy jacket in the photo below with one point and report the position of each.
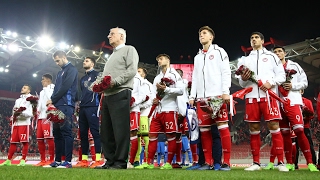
(65, 89)
(88, 98)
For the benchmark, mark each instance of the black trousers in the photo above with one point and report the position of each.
(115, 128)
(308, 134)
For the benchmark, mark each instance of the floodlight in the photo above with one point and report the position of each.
(77, 49)
(6, 70)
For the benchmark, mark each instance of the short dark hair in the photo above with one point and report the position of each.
(30, 88)
(163, 54)
(59, 53)
(208, 29)
(92, 60)
(47, 75)
(179, 70)
(277, 46)
(144, 70)
(259, 34)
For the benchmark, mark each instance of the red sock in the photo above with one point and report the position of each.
(133, 148)
(42, 149)
(63, 158)
(25, 150)
(225, 142)
(272, 154)
(171, 149)
(206, 141)
(50, 143)
(178, 151)
(255, 146)
(193, 148)
(93, 152)
(12, 150)
(79, 153)
(303, 144)
(277, 142)
(287, 145)
(294, 151)
(152, 148)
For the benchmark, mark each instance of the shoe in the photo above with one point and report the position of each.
(104, 166)
(312, 167)
(176, 165)
(96, 163)
(130, 166)
(65, 164)
(217, 167)
(41, 163)
(22, 163)
(53, 164)
(166, 166)
(225, 167)
(253, 167)
(282, 168)
(270, 166)
(142, 166)
(6, 163)
(318, 166)
(83, 163)
(290, 167)
(136, 163)
(296, 167)
(205, 167)
(194, 166)
(118, 167)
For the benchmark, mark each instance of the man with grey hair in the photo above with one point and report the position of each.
(115, 113)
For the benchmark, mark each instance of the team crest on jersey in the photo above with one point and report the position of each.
(265, 59)
(211, 57)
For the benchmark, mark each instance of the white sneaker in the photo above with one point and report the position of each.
(283, 168)
(129, 166)
(253, 167)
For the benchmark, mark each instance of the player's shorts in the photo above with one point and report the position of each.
(164, 122)
(144, 125)
(44, 129)
(90, 137)
(20, 134)
(291, 118)
(134, 120)
(205, 119)
(183, 126)
(185, 143)
(255, 109)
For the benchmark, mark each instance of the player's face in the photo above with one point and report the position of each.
(87, 64)
(205, 37)
(45, 81)
(163, 61)
(140, 71)
(114, 37)
(60, 61)
(256, 42)
(280, 53)
(25, 90)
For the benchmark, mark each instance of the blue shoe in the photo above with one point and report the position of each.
(194, 167)
(205, 167)
(53, 164)
(225, 167)
(65, 164)
(216, 166)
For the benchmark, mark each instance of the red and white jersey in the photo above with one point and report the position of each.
(308, 104)
(266, 66)
(211, 75)
(44, 96)
(137, 93)
(299, 81)
(148, 90)
(25, 117)
(168, 102)
(183, 99)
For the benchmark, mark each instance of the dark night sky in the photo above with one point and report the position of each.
(155, 27)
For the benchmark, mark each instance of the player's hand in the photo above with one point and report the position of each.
(160, 87)
(287, 86)
(226, 98)
(246, 75)
(48, 102)
(266, 86)
(155, 101)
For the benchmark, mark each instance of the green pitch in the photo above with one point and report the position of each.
(33, 173)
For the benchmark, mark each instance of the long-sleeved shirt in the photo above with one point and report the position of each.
(89, 98)
(137, 93)
(147, 90)
(44, 96)
(308, 104)
(25, 117)
(65, 89)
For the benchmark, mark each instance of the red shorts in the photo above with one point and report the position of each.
(183, 126)
(255, 109)
(134, 120)
(44, 129)
(164, 122)
(90, 137)
(206, 120)
(20, 134)
(291, 118)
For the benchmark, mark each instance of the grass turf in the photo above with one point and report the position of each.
(30, 172)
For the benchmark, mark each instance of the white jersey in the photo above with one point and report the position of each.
(168, 102)
(137, 93)
(148, 90)
(25, 117)
(183, 99)
(44, 96)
